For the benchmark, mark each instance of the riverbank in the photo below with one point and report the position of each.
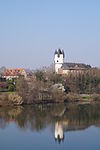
(12, 98)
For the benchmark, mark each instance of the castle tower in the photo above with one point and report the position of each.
(58, 59)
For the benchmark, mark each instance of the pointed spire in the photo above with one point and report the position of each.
(56, 52)
(63, 53)
(59, 51)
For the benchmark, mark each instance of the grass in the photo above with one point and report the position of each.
(6, 92)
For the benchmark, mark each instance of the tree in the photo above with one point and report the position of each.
(11, 87)
(39, 75)
(22, 88)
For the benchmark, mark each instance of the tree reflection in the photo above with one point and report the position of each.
(60, 117)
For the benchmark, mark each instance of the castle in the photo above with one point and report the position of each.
(64, 68)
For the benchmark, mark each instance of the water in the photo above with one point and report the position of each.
(50, 127)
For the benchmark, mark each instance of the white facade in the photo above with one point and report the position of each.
(58, 60)
(10, 77)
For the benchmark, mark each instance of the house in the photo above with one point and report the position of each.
(64, 68)
(12, 73)
(73, 68)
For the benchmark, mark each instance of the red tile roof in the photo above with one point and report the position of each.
(12, 72)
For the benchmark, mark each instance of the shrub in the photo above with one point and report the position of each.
(15, 99)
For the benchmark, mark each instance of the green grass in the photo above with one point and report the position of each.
(7, 92)
(85, 97)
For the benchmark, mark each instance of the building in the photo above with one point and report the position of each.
(12, 73)
(64, 68)
(58, 59)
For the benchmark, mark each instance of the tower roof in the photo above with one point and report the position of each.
(63, 53)
(56, 52)
(59, 52)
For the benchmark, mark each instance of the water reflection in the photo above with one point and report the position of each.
(60, 118)
(59, 133)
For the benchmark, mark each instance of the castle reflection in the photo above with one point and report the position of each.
(59, 133)
(60, 118)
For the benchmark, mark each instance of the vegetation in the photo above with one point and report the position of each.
(15, 99)
(42, 88)
(7, 86)
(87, 82)
(22, 88)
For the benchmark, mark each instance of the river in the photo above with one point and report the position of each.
(52, 127)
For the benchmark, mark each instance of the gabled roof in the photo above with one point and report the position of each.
(75, 66)
(12, 72)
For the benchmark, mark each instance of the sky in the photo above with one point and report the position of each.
(31, 30)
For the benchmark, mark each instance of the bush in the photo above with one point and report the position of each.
(11, 88)
(96, 97)
(15, 99)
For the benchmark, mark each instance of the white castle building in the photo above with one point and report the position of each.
(59, 59)
(64, 68)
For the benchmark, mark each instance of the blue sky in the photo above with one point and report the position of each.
(31, 30)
